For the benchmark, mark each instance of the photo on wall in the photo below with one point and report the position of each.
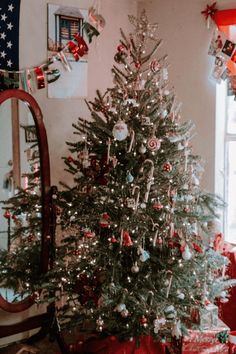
(63, 23)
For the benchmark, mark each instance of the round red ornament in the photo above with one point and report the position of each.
(121, 48)
(89, 234)
(113, 239)
(167, 167)
(30, 238)
(77, 252)
(7, 214)
(70, 159)
(157, 206)
(143, 320)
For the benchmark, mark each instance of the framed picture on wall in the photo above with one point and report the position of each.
(63, 23)
(30, 134)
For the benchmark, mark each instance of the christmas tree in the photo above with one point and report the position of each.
(20, 265)
(136, 255)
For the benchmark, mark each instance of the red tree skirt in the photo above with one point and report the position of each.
(111, 345)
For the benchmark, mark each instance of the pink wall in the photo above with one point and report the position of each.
(185, 40)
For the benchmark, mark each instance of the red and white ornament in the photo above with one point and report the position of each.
(154, 144)
(88, 233)
(105, 221)
(120, 130)
(127, 241)
(157, 205)
(154, 66)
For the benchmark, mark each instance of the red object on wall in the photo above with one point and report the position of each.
(224, 19)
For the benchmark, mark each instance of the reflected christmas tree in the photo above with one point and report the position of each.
(20, 262)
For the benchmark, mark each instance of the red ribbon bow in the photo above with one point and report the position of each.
(210, 10)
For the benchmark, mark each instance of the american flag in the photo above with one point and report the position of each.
(9, 34)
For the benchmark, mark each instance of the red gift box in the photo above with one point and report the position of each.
(204, 342)
(201, 342)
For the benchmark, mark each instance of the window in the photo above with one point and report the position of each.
(69, 26)
(226, 155)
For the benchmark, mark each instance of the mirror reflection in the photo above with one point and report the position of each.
(20, 199)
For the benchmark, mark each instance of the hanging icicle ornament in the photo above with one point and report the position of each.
(120, 130)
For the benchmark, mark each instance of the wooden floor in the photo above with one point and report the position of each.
(41, 347)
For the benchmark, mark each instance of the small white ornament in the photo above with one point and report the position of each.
(120, 130)
(135, 268)
(187, 255)
(120, 307)
(124, 313)
(180, 295)
(142, 149)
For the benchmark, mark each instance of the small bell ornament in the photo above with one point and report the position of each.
(120, 130)
(127, 241)
(135, 268)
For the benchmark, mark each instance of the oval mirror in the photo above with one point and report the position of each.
(24, 198)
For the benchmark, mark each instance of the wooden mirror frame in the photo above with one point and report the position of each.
(45, 190)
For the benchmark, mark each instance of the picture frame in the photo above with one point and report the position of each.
(30, 134)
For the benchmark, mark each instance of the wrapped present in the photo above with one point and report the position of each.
(232, 342)
(210, 341)
(205, 341)
(205, 317)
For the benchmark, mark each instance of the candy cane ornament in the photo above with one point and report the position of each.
(150, 179)
(137, 196)
(132, 134)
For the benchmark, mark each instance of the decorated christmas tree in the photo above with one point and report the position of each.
(20, 262)
(136, 255)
